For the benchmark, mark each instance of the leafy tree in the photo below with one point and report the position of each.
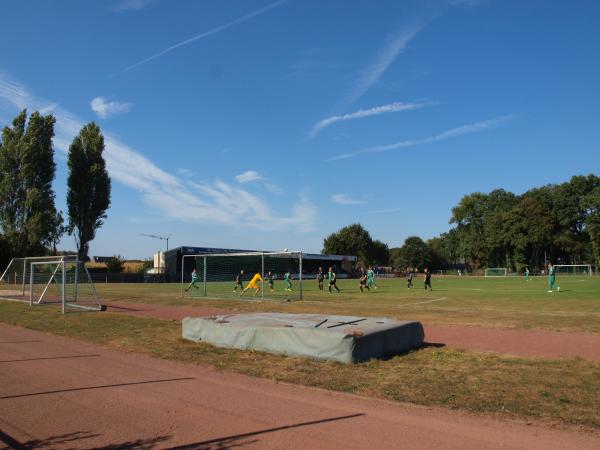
(592, 222)
(115, 263)
(355, 240)
(414, 254)
(350, 240)
(28, 217)
(88, 196)
(379, 252)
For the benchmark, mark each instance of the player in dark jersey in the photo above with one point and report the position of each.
(271, 281)
(320, 278)
(409, 278)
(427, 279)
(362, 282)
(238, 281)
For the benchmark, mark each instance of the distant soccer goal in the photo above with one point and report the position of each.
(574, 269)
(227, 275)
(496, 272)
(61, 280)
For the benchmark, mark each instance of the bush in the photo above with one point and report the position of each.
(115, 264)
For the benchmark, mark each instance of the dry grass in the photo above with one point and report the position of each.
(559, 391)
(508, 302)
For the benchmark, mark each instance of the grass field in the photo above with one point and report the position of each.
(562, 391)
(491, 302)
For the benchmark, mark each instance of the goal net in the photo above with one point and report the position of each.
(574, 269)
(50, 280)
(496, 272)
(217, 275)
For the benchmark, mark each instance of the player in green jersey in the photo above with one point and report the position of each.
(526, 273)
(552, 278)
(194, 281)
(332, 277)
(371, 278)
(288, 281)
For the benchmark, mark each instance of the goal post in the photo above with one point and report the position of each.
(496, 272)
(574, 269)
(15, 279)
(216, 275)
(57, 280)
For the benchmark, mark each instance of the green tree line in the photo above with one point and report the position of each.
(30, 224)
(558, 223)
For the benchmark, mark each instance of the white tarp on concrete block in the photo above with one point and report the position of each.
(336, 338)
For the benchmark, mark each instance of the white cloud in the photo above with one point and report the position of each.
(345, 199)
(213, 202)
(216, 30)
(131, 5)
(381, 62)
(453, 132)
(362, 113)
(248, 176)
(105, 108)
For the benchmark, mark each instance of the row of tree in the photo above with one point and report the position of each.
(558, 223)
(30, 224)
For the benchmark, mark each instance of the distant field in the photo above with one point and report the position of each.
(491, 302)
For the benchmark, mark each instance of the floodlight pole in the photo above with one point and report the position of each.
(162, 238)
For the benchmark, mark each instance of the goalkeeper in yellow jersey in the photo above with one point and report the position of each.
(254, 284)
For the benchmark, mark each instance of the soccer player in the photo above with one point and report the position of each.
(320, 278)
(194, 281)
(371, 278)
(552, 278)
(332, 277)
(254, 284)
(409, 278)
(288, 283)
(526, 273)
(238, 281)
(427, 279)
(362, 283)
(271, 281)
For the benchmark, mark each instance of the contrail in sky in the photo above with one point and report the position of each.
(216, 30)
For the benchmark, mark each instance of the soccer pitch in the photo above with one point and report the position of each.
(491, 302)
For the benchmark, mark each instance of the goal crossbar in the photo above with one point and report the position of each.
(587, 269)
(496, 272)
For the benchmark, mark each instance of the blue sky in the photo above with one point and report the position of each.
(269, 124)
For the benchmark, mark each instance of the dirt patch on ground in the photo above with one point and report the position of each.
(101, 398)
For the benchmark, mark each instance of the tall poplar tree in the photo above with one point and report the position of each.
(28, 217)
(88, 195)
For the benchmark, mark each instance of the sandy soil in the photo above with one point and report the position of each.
(61, 393)
(543, 344)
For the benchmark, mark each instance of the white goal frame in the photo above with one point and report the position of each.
(59, 274)
(496, 268)
(588, 266)
(297, 254)
(26, 266)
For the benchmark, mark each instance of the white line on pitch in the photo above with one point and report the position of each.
(426, 301)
